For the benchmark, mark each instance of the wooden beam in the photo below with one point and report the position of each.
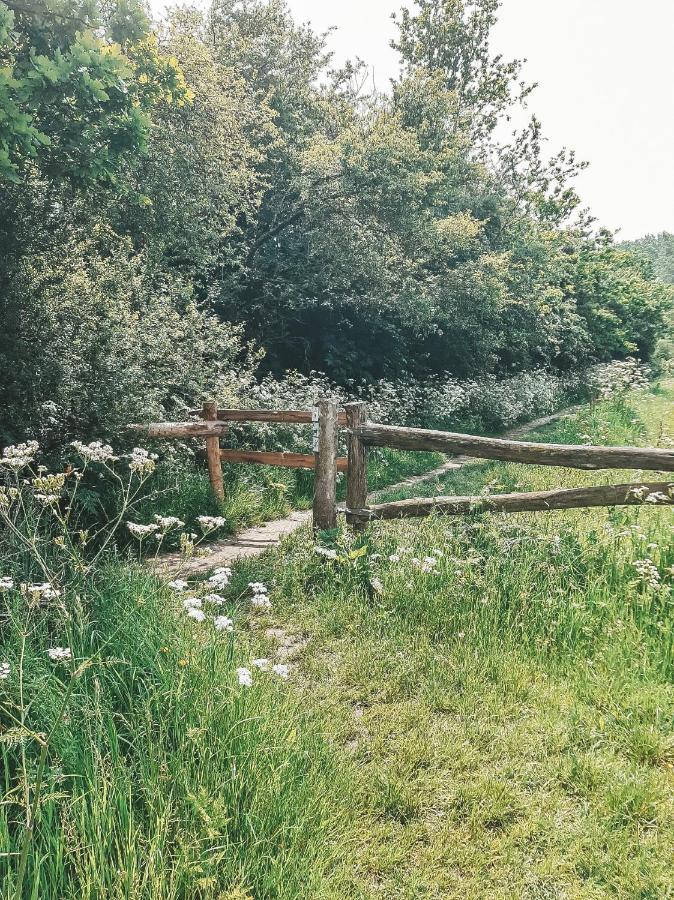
(210, 413)
(662, 494)
(290, 416)
(356, 479)
(572, 456)
(325, 483)
(182, 429)
(274, 458)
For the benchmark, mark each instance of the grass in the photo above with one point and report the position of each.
(499, 726)
(506, 719)
(255, 494)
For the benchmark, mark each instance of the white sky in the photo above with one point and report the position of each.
(605, 70)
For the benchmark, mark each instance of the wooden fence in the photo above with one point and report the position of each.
(364, 434)
(326, 419)
(214, 423)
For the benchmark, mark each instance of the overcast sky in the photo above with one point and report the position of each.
(605, 70)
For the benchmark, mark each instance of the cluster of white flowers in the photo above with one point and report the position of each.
(6, 583)
(617, 378)
(142, 531)
(260, 598)
(648, 572)
(178, 585)
(210, 523)
(245, 675)
(59, 654)
(220, 577)
(141, 462)
(194, 608)
(168, 522)
(43, 590)
(18, 456)
(642, 493)
(427, 565)
(96, 451)
(5, 669)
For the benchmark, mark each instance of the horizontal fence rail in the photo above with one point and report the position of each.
(169, 430)
(325, 419)
(656, 493)
(289, 416)
(568, 455)
(274, 458)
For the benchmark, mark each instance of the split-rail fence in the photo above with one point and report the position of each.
(327, 418)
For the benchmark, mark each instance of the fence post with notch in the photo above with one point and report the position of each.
(209, 412)
(325, 449)
(356, 477)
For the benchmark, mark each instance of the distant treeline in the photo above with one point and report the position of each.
(185, 202)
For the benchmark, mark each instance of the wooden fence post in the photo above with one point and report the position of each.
(209, 411)
(356, 475)
(325, 482)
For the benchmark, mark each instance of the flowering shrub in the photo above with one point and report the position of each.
(614, 380)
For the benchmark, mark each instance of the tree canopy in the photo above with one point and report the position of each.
(238, 174)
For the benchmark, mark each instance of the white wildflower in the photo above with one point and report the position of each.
(657, 497)
(210, 523)
(18, 456)
(394, 558)
(141, 531)
(258, 587)
(262, 664)
(141, 462)
(96, 451)
(222, 623)
(245, 676)
(5, 669)
(168, 522)
(648, 572)
(377, 585)
(281, 670)
(220, 577)
(192, 603)
(324, 551)
(44, 590)
(178, 585)
(215, 599)
(196, 614)
(6, 583)
(261, 601)
(59, 654)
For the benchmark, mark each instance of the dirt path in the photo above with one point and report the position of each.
(254, 541)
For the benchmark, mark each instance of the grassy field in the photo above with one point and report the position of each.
(477, 708)
(506, 716)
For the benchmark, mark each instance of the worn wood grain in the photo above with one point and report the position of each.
(661, 493)
(356, 479)
(181, 429)
(568, 455)
(325, 482)
(210, 414)
(289, 416)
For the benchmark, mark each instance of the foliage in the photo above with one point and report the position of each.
(233, 175)
(129, 744)
(75, 105)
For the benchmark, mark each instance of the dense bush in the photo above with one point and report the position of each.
(221, 170)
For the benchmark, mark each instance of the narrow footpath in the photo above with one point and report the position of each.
(256, 540)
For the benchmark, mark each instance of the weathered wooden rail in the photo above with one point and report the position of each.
(214, 423)
(326, 420)
(364, 434)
